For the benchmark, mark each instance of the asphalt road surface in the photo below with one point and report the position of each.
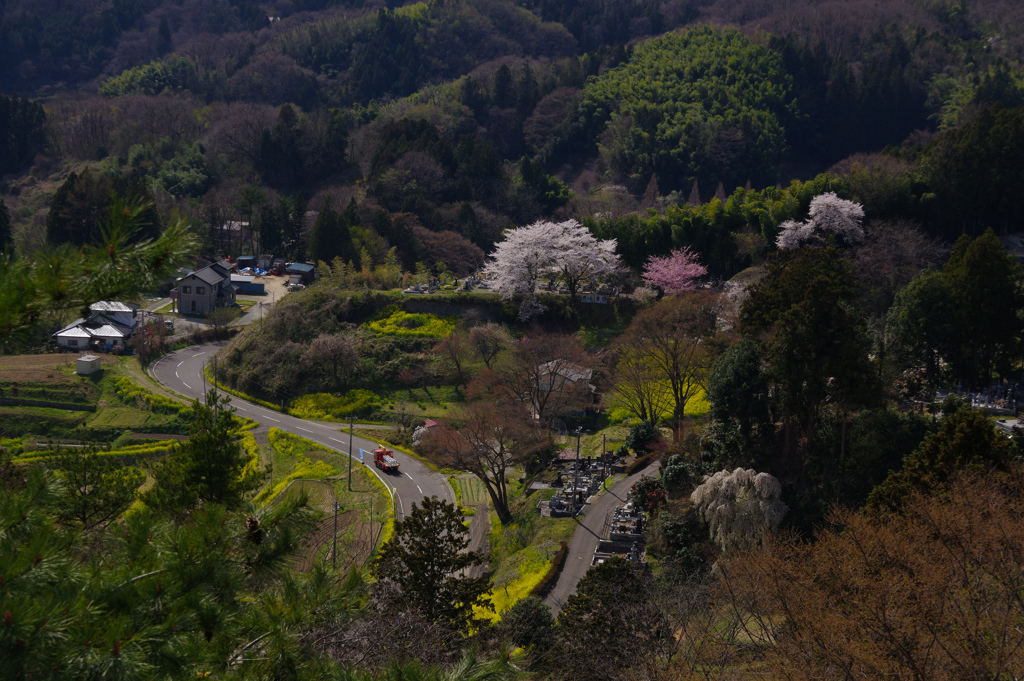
(586, 537)
(182, 371)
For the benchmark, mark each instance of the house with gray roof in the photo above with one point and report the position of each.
(98, 332)
(204, 290)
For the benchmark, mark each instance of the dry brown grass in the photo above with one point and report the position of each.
(40, 368)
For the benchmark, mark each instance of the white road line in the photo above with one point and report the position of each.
(176, 374)
(271, 418)
(305, 429)
(420, 489)
(335, 439)
(179, 364)
(186, 385)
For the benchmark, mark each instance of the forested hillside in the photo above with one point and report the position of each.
(463, 118)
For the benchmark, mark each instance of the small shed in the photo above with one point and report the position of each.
(306, 271)
(88, 364)
(246, 261)
(246, 283)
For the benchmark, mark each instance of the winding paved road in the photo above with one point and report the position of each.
(182, 371)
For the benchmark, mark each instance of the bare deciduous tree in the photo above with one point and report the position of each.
(935, 592)
(454, 352)
(488, 341)
(339, 352)
(546, 374)
(676, 340)
(488, 440)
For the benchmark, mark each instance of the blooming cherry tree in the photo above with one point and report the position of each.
(674, 272)
(582, 257)
(832, 219)
(794, 234)
(739, 506)
(566, 250)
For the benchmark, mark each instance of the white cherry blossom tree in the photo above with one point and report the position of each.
(563, 250)
(831, 220)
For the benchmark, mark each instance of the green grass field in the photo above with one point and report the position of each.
(119, 417)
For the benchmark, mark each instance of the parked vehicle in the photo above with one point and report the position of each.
(383, 459)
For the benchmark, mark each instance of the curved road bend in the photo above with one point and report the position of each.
(182, 371)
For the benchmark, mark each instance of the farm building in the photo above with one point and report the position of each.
(246, 261)
(246, 283)
(304, 270)
(88, 364)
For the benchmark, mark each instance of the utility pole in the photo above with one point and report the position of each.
(351, 427)
(334, 549)
(576, 473)
(604, 457)
(215, 389)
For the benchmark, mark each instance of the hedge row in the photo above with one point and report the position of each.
(641, 463)
(557, 563)
(130, 452)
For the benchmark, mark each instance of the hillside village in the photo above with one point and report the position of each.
(463, 340)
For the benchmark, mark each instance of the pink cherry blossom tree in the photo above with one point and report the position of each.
(674, 272)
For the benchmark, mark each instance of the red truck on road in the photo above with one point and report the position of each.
(383, 459)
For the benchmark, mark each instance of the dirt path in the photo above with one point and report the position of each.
(479, 526)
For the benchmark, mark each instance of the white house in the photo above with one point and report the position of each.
(98, 332)
(121, 313)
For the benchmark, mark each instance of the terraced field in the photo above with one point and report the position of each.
(470, 490)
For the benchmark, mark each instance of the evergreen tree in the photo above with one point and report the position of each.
(96, 488)
(270, 226)
(209, 468)
(427, 559)
(6, 235)
(22, 130)
(966, 439)
(83, 202)
(983, 282)
(329, 238)
(163, 37)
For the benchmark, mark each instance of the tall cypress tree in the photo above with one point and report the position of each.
(6, 236)
(330, 236)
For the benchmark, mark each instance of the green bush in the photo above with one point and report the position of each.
(641, 435)
(327, 407)
(408, 324)
(132, 394)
